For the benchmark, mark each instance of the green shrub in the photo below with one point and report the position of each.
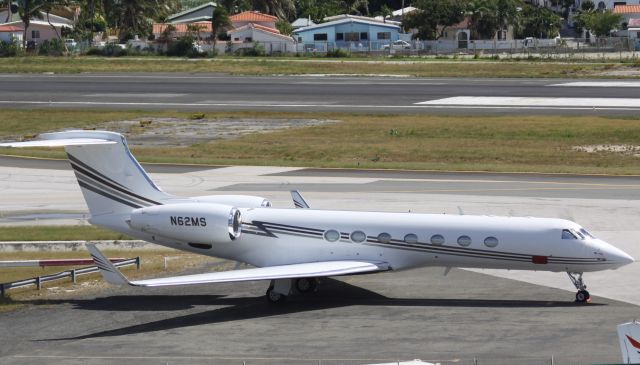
(10, 49)
(338, 53)
(256, 51)
(51, 47)
(184, 47)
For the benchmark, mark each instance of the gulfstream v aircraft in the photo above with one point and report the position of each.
(294, 247)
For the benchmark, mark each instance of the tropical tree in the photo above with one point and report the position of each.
(385, 12)
(219, 21)
(601, 23)
(135, 17)
(283, 9)
(317, 10)
(434, 16)
(538, 22)
(28, 9)
(355, 6)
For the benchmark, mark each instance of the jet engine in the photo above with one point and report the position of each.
(190, 222)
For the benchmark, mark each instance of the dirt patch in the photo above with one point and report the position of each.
(624, 149)
(620, 72)
(172, 132)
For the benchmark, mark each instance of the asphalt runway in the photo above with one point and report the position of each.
(209, 92)
(498, 317)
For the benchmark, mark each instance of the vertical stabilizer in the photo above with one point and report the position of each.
(629, 338)
(111, 179)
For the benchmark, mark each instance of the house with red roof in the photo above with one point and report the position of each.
(630, 26)
(247, 29)
(254, 17)
(9, 33)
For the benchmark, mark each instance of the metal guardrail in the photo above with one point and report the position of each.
(73, 274)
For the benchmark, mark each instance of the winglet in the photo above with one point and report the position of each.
(109, 272)
(298, 200)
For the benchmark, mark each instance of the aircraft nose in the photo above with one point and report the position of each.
(617, 256)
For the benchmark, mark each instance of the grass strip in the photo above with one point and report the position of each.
(296, 66)
(423, 142)
(57, 233)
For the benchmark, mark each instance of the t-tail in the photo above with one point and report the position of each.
(629, 337)
(111, 179)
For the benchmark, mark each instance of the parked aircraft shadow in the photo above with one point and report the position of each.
(333, 294)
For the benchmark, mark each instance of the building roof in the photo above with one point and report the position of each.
(261, 28)
(633, 22)
(252, 16)
(10, 29)
(181, 27)
(349, 19)
(406, 10)
(199, 7)
(39, 22)
(302, 22)
(626, 9)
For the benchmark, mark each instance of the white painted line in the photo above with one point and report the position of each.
(134, 95)
(511, 101)
(600, 84)
(416, 106)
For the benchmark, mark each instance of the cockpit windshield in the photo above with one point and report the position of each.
(584, 232)
(568, 235)
(574, 234)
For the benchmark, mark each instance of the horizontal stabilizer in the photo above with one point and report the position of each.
(298, 200)
(59, 142)
(311, 269)
(109, 272)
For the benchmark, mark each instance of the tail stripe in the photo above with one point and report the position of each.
(96, 176)
(101, 264)
(75, 160)
(111, 192)
(106, 195)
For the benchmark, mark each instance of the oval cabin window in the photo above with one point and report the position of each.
(464, 241)
(331, 235)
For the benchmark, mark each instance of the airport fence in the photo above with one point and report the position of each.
(584, 48)
(73, 274)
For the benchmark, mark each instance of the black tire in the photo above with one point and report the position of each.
(582, 296)
(306, 285)
(275, 298)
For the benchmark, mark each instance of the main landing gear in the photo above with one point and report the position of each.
(582, 296)
(280, 289)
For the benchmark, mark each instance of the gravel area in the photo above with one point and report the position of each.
(174, 132)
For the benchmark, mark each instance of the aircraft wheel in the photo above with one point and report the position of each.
(582, 296)
(306, 285)
(275, 298)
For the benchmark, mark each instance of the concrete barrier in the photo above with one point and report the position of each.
(54, 246)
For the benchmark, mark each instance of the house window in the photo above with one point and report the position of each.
(35, 34)
(320, 37)
(299, 39)
(384, 35)
(364, 36)
(352, 37)
(502, 34)
(602, 5)
(248, 40)
(339, 36)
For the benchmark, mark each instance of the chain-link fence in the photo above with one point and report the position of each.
(530, 47)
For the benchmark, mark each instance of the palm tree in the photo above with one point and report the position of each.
(219, 21)
(283, 9)
(133, 17)
(28, 9)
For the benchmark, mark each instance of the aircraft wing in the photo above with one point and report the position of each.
(305, 270)
(58, 142)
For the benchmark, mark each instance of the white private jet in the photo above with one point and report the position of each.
(294, 247)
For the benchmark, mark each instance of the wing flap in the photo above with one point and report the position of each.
(310, 269)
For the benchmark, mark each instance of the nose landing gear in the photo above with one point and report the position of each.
(582, 296)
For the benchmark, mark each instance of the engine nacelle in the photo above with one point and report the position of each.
(190, 222)
(242, 201)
